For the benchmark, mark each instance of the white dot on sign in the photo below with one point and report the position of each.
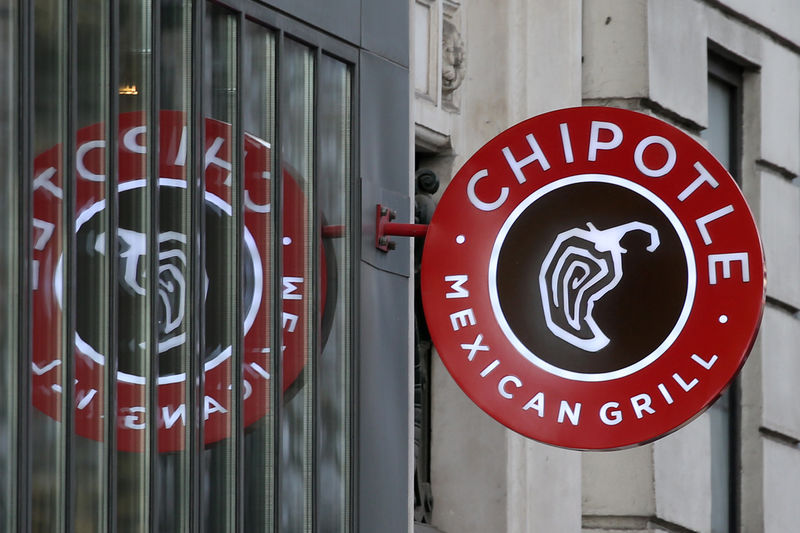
(287, 241)
(723, 319)
(461, 239)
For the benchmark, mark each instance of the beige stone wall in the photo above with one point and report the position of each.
(527, 57)
(677, 37)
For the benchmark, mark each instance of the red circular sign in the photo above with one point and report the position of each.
(593, 278)
(171, 413)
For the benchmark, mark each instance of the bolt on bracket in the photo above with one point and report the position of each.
(384, 228)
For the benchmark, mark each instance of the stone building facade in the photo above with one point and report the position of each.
(725, 71)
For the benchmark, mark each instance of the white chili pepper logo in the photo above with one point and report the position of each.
(171, 282)
(579, 269)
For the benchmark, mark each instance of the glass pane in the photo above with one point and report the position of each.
(334, 367)
(222, 179)
(720, 421)
(719, 134)
(720, 120)
(176, 275)
(136, 239)
(259, 124)
(92, 280)
(9, 272)
(49, 352)
(297, 127)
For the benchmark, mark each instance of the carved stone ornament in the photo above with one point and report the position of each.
(453, 60)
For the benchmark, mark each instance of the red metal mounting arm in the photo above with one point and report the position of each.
(384, 227)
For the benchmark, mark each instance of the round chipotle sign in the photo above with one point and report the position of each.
(593, 278)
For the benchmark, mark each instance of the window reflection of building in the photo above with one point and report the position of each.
(171, 252)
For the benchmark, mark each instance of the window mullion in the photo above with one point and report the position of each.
(112, 210)
(237, 355)
(314, 292)
(24, 251)
(276, 284)
(355, 298)
(196, 377)
(70, 243)
(151, 367)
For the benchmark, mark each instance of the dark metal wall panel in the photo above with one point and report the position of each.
(384, 151)
(383, 489)
(383, 438)
(341, 18)
(384, 29)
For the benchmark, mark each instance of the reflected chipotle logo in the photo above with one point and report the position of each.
(593, 278)
(173, 268)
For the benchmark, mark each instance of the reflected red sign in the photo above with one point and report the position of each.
(593, 278)
(172, 295)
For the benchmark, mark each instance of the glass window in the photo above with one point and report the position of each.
(298, 219)
(721, 135)
(222, 263)
(92, 282)
(177, 316)
(335, 289)
(259, 125)
(721, 121)
(137, 244)
(175, 274)
(48, 277)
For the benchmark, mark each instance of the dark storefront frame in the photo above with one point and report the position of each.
(384, 510)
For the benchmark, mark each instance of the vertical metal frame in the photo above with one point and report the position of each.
(731, 74)
(736, 386)
(355, 295)
(276, 286)
(112, 209)
(151, 369)
(316, 284)
(237, 352)
(25, 164)
(69, 178)
(195, 379)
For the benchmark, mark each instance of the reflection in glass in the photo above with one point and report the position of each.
(48, 438)
(176, 319)
(334, 367)
(297, 127)
(222, 238)
(259, 125)
(92, 308)
(720, 112)
(152, 255)
(9, 272)
(134, 244)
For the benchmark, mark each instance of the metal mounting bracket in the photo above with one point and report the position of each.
(384, 228)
